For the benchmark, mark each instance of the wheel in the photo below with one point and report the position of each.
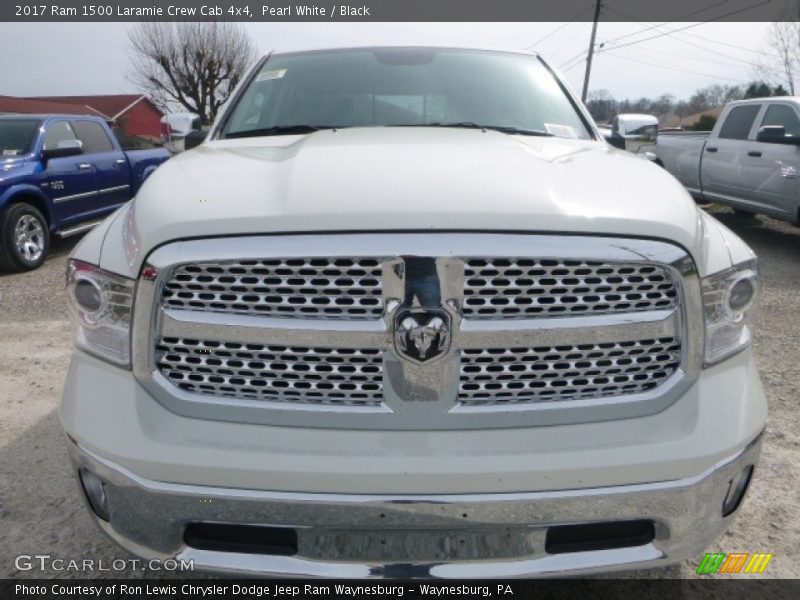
(24, 239)
(744, 214)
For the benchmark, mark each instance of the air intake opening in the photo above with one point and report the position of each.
(247, 539)
(598, 536)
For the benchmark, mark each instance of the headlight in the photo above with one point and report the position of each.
(100, 305)
(729, 299)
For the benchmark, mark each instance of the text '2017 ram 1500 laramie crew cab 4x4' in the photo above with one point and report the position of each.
(396, 317)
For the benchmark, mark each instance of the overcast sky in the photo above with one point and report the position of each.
(76, 58)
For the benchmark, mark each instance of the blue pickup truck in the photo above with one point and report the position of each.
(61, 175)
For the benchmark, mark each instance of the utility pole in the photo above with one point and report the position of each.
(591, 51)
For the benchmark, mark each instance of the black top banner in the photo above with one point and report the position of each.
(397, 10)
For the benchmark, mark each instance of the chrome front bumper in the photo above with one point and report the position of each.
(447, 536)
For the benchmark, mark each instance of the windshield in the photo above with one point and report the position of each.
(300, 92)
(17, 136)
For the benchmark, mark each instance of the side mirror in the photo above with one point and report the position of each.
(776, 134)
(63, 148)
(616, 140)
(194, 139)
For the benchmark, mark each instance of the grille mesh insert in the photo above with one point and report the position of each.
(313, 288)
(352, 377)
(521, 288)
(522, 375)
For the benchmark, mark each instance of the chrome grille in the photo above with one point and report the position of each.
(313, 288)
(342, 376)
(273, 329)
(543, 374)
(521, 288)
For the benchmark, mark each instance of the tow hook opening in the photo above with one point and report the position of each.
(737, 488)
(587, 537)
(247, 539)
(95, 491)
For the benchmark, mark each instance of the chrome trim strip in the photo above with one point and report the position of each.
(74, 196)
(80, 228)
(99, 192)
(431, 403)
(223, 327)
(115, 188)
(569, 330)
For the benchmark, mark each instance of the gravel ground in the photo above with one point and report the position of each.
(41, 512)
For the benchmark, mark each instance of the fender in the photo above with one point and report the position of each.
(147, 172)
(43, 203)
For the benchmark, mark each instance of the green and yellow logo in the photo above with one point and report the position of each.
(737, 562)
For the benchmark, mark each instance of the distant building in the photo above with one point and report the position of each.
(132, 115)
(9, 105)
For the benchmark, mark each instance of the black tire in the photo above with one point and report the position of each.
(744, 214)
(27, 255)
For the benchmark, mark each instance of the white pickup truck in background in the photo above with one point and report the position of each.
(749, 161)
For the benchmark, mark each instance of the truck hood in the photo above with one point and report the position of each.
(369, 179)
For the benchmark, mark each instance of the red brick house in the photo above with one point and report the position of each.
(26, 106)
(133, 115)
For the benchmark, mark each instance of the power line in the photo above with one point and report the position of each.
(670, 32)
(678, 29)
(681, 18)
(580, 28)
(680, 35)
(739, 60)
(580, 56)
(669, 68)
(696, 58)
(557, 29)
(516, 39)
(572, 66)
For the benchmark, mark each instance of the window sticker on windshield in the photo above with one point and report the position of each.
(564, 131)
(10, 152)
(271, 74)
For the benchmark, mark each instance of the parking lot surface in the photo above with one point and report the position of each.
(42, 513)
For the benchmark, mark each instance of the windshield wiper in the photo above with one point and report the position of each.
(471, 125)
(277, 130)
(521, 131)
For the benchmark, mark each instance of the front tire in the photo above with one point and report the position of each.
(24, 238)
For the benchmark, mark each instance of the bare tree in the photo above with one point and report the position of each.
(780, 63)
(196, 65)
(785, 42)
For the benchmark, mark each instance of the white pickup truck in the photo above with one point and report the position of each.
(750, 160)
(396, 317)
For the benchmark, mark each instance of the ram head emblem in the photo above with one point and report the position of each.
(422, 335)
